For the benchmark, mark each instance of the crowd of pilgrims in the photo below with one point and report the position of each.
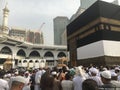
(76, 78)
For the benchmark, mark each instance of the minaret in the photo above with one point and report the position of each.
(5, 19)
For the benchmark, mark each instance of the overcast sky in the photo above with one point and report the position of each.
(31, 14)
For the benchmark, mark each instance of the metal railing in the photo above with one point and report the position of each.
(109, 88)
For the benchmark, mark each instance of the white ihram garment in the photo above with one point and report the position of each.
(27, 87)
(4, 85)
(67, 85)
(77, 82)
(37, 79)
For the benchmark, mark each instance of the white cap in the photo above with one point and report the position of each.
(20, 79)
(93, 70)
(26, 72)
(106, 74)
(54, 73)
(104, 69)
(9, 75)
(117, 68)
(16, 73)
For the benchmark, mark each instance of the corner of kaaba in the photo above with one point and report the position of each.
(94, 36)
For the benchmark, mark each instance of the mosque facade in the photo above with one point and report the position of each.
(25, 48)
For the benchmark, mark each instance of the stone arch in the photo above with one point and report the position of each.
(6, 50)
(48, 54)
(34, 54)
(36, 61)
(31, 61)
(20, 61)
(61, 54)
(25, 61)
(49, 58)
(21, 52)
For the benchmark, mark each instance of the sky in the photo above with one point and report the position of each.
(31, 14)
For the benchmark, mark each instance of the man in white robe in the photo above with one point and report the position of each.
(79, 78)
(38, 78)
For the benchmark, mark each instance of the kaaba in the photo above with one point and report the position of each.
(94, 36)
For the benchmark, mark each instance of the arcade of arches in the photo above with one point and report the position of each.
(14, 55)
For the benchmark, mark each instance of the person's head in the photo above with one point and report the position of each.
(64, 69)
(80, 71)
(72, 72)
(17, 83)
(54, 74)
(55, 69)
(16, 73)
(93, 71)
(117, 70)
(2, 73)
(114, 76)
(68, 76)
(26, 74)
(106, 77)
(89, 84)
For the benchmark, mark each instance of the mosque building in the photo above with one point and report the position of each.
(32, 36)
(25, 48)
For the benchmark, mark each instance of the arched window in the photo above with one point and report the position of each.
(6, 50)
(48, 54)
(25, 61)
(30, 61)
(61, 54)
(36, 61)
(20, 61)
(34, 54)
(21, 52)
